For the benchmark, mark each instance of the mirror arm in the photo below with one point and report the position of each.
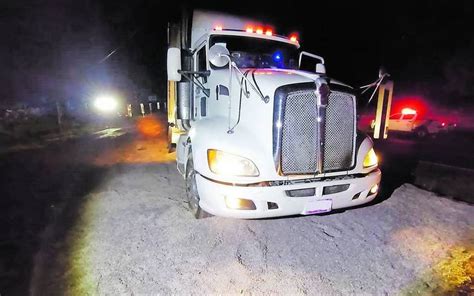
(185, 74)
(206, 73)
(309, 55)
(376, 83)
(265, 99)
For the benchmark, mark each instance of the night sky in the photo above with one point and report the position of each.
(56, 49)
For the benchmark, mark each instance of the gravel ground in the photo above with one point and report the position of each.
(136, 236)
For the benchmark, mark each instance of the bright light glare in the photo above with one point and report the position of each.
(227, 164)
(293, 38)
(277, 56)
(105, 104)
(249, 29)
(406, 111)
(239, 203)
(233, 203)
(370, 159)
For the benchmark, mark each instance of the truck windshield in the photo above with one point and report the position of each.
(248, 52)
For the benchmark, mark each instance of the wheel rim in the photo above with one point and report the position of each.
(191, 190)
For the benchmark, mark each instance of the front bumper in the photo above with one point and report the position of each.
(212, 196)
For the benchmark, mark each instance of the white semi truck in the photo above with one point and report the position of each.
(255, 135)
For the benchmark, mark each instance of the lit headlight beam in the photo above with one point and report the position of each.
(371, 159)
(106, 104)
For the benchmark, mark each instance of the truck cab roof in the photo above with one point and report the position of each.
(206, 23)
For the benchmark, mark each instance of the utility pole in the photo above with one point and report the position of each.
(59, 113)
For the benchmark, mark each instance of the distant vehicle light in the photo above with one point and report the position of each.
(218, 28)
(406, 111)
(259, 31)
(106, 104)
(269, 33)
(443, 124)
(249, 29)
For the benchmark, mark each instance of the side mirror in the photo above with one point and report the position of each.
(320, 68)
(218, 56)
(173, 64)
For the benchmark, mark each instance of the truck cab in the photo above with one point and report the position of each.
(255, 135)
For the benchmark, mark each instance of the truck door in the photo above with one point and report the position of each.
(200, 99)
(407, 121)
(394, 122)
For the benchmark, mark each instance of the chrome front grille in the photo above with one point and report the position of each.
(299, 145)
(340, 129)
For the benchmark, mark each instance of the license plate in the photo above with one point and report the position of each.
(318, 206)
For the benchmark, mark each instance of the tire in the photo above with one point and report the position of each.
(192, 194)
(421, 133)
(171, 146)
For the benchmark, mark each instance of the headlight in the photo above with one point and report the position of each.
(105, 104)
(227, 164)
(370, 159)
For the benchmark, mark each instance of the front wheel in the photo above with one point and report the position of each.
(192, 193)
(421, 133)
(171, 146)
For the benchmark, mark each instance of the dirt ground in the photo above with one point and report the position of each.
(131, 233)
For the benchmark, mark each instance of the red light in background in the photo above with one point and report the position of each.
(293, 38)
(416, 103)
(269, 33)
(249, 29)
(406, 111)
(259, 31)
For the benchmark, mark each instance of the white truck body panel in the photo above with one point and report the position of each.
(204, 22)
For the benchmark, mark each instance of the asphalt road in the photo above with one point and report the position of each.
(106, 214)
